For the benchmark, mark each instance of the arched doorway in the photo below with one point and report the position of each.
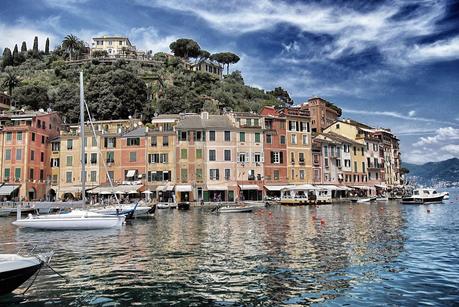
(52, 195)
(31, 194)
(68, 196)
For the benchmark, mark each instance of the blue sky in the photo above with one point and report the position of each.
(390, 64)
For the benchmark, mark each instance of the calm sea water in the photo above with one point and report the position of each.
(378, 254)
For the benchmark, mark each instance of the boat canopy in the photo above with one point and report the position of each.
(332, 187)
(6, 190)
(300, 187)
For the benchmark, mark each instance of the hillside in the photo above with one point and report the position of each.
(432, 172)
(121, 88)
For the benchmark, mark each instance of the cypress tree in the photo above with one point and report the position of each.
(16, 60)
(7, 58)
(47, 46)
(24, 47)
(35, 47)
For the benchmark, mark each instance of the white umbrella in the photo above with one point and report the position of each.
(147, 192)
(133, 192)
(105, 193)
(120, 192)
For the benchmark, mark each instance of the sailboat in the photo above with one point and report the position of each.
(76, 219)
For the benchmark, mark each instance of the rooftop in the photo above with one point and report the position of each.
(195, 121)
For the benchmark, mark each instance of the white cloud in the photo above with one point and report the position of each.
(452, 149)
(293, 46)
(11, 35)
(392, 114)
(444, 49)
(147, 38)
(412, 113)
(353, 31)
(442, 134)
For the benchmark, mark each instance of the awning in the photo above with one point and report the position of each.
(301, 187)
(275, 187)
(147, 192)
(6, 190)
(381, 186)
(161, 188)
(217, 187)
(72, 190)
(131, 173)
(183, 188)
(362, 187)
(169, 187)
(249, 187)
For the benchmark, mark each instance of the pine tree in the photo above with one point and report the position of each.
(35, 47)
(16, 60)
(24, 47)
(47, 46)
(7, 58)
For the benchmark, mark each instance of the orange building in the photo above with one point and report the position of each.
(275, 151)
(25, 171)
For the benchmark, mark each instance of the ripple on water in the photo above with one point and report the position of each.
(362, 255)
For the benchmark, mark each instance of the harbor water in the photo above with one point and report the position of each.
(333, 255)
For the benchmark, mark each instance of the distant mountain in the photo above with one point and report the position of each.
(433, 172)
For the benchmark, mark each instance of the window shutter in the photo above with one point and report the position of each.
(262, 157)
(297, 126)
(217, 174)
(281, 157)
(272, 157)
(289, 125)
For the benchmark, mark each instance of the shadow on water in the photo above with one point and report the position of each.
(333, 254)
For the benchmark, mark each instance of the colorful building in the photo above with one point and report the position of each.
(275, 151)
(250, 154)
(25, 171)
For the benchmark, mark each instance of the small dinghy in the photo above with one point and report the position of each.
(16, 269)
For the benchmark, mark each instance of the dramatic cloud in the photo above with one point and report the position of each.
(442, 134)
(394, 114)
(11, 35)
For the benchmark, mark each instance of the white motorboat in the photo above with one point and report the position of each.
(445, 195)
(74, 220)
(77, 219)
(366, 200)
(235, 209)
(16, 269)
(126, 210)
(166, 205)
(382, 199)
(423, 196)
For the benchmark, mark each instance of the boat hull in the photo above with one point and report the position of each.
(71, 223)
(235, 209)
(421, 201)
(14, 273)
(139, 211)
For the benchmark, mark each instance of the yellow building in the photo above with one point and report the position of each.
(160, 143)
(115, 46)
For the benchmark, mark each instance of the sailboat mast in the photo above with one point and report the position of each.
(83, 169)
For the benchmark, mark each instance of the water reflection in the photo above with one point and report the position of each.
(328, 254)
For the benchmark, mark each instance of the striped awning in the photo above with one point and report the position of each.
(6, 190)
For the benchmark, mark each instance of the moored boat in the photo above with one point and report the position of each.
(423, 196)
(16, 269)
(235, 209)
(366, 200)
(183, 205)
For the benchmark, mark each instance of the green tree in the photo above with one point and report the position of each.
(185, 48)
(36, 54)
(116, 94)
(203, 55)
(7, 58)
(225, 58)
(281, 95)
(66, 101)
(71, 44)
(100, 53)
(47, 46)
(24, 47)
(16, 55)
(32, 96)
(10, 81)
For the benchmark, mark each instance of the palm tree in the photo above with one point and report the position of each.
(11, 81)
(71, 43)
